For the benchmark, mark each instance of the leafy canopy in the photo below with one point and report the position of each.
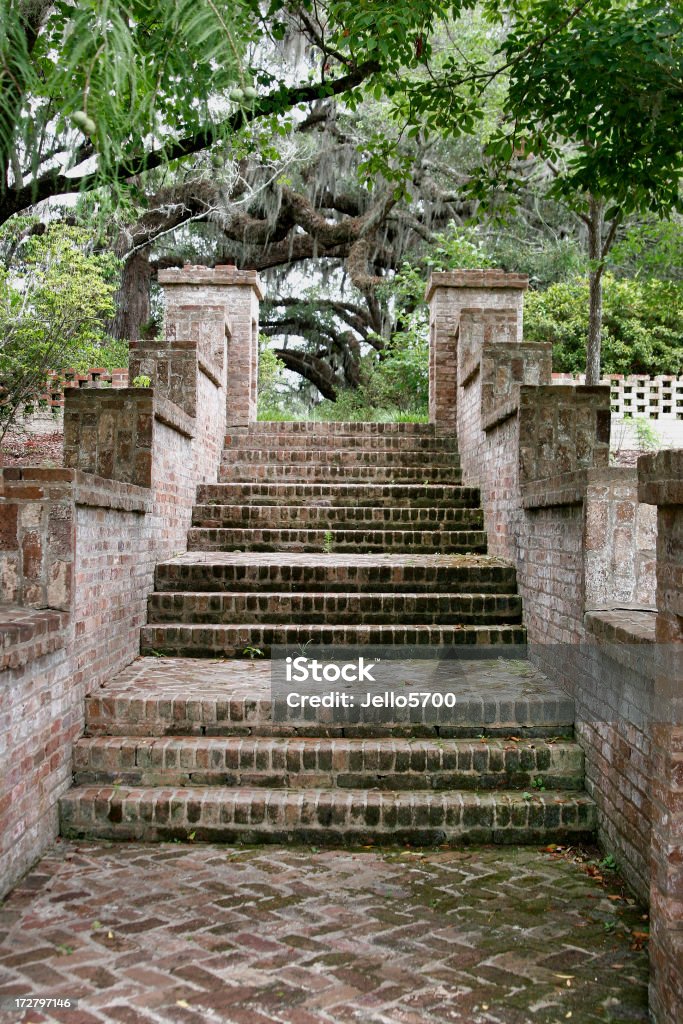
(54, 302)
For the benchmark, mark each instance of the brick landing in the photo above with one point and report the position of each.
(176, 934)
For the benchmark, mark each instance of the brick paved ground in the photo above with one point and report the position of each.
(187, 934)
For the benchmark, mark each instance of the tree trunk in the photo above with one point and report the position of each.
(132, 297)
(595, 254)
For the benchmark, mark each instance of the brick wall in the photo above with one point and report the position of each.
(448, 294)
(620, 537)
(78, 548)
(239, 292)
(583, 536)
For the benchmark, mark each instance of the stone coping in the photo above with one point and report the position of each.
(220, 276)
(171, 415)
(88, 489)
(475, 279)
(622, 625)
(563, 489)
(28, 633)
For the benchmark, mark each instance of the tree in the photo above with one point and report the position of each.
(607, 124)
(54, 300)
(96, 93)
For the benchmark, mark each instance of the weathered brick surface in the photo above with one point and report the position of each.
(349, 517)
(448, 295)
(326, 762)
(332, 495)
(661, 484)
(232, 641)
(333, 609)
(504, 369)
(376, 573)
(110, 434)
(182, 696)
(563, 432)
(333, 817)
(582, 537)
(253, 936)
(37, 539)
(341, 540)
(620, 538)
(87, 545)
(239, 291)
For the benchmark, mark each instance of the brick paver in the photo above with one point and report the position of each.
(186, 934)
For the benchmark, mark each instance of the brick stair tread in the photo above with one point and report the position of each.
(184, 696)
(417, 463)
(302, 572)
(327, 427)
(384, 763)
(225, 813)
(240, 472)
(346, 517)
(234, 639)
(332, 608)
(340, 494)
(317, 540)
(417, 443)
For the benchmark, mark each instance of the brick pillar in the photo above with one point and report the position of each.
(448, 293)
(239, 292)
(660, 483)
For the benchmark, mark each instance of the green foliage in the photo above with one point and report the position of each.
(642, 325)
(272, 383)
(650, 247)
(54, 301)
(109, 78)
(619, 105)
(141, 381)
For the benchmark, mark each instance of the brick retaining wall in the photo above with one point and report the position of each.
(583, 535)
(78, 548)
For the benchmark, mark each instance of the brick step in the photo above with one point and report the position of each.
(286, 428)
(333, 455)
(300, 573)
(340, 495)
(234, 640)
(186, 697)
(416, 443)
(334, 609)
(348, 518)
(420, 473)
(299, 763)
(340, 541)
(218, 814)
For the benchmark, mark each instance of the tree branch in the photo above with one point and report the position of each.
(55, 182)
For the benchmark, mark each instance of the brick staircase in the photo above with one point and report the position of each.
(330, 534)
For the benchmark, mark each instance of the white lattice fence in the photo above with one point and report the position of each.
(655, 398)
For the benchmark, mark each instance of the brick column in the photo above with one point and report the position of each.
(448, 294)
(660, 483)
(239, 292)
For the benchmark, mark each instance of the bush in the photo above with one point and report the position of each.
(642, 325)
(55, 299)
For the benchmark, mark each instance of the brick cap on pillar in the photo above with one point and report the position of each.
(222, 275)
(474, 279)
